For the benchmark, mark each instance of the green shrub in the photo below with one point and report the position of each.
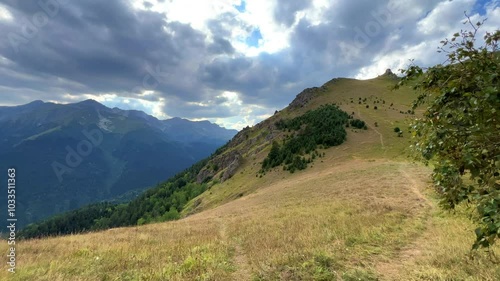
(322, 127)
(356, 123)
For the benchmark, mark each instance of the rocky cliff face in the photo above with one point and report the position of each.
(236, 160)
(303, 98)
(389, 73)
(228, 163)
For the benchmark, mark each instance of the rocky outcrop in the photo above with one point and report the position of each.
(305, 96)
(389, 73)
(232, 167)
(228, 162)
(240, 137)
(205, 174)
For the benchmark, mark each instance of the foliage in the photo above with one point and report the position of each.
(459, 131)
(71, 222)
(397, 130)
(356, 123)
(320, 127)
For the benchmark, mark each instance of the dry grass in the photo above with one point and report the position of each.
(174, 251)
(346, 222)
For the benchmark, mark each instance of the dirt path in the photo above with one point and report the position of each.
(243, 271)
(393, 269)
(375, 130)
(379, 133)
(240, 260)
(414, 187)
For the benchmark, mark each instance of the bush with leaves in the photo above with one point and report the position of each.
(356, 123)
(459, 132)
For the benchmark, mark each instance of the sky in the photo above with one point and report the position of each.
(233, 62)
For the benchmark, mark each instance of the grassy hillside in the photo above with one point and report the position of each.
(361, 212)
(378, 141)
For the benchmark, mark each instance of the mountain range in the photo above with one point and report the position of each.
(70, 155)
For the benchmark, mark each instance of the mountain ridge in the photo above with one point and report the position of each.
(52, 145)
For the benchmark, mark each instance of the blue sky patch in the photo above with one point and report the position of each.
(479, 7)
(242, 7)
(253, 39)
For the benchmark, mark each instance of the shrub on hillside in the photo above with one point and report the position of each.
(356, 123)
(323, 127)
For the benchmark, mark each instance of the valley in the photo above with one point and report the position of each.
(72, 155)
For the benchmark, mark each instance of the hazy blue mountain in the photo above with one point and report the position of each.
(70, 155)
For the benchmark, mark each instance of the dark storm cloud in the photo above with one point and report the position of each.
(221, 46)
(95, 47)
(106, 46)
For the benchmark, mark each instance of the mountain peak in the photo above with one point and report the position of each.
(90, 103)
(32, 105)
(36, 102)
(389, 73)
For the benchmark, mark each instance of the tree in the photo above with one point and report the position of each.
(459, 132)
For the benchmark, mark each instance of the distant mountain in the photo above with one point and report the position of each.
(184, 130)
(71, 155)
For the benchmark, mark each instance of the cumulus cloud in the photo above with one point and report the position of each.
(230, 61)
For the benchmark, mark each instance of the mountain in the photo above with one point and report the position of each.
(352, 209)
(70, 155)
(184, 130)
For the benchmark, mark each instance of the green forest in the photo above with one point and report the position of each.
(161, 203)
(323, 127)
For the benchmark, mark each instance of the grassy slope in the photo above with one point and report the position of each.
(363, 212)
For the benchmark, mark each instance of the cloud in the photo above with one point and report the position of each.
(230, 61)
(286, 11)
